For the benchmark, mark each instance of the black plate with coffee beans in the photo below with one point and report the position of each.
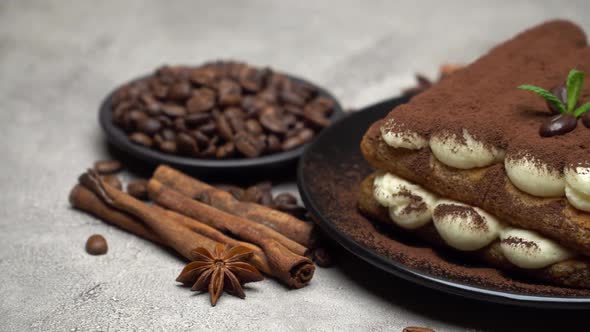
(219, 118)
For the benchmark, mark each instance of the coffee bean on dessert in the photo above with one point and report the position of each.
(113, 181)
(560, 91)
(149, 126)
(247, 144)
(202, 100)
(141, 139)
(586, 119)
(138, 189)
(185, 144)
(285, 198)
(107, 166)
(271, 120)
(230, 92)
(96, 245)
(179, 91)
(558, 125)
(173, 110)
(196, 119)
(225, 151)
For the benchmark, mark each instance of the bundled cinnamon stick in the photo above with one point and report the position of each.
(174, 234)
(83, 199)
(285, 256)
(273, 259)
(283, 223)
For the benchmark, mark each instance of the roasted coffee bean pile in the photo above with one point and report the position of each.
(261, 194)
(220, 110)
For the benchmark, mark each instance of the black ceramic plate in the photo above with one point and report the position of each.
(203, 167)
(329, 174)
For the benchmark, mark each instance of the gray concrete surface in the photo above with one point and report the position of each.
(59, 58)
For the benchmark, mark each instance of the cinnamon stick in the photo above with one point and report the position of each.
(85, 200)
(283, 223)
(242, 228)
(176, 235)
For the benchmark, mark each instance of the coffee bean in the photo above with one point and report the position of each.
(168, 147)
(168, 134)
(285, 198)
(201, 138)
(247, 144)
(202, 100)
(292, 109)
(236, 191)
(253, 127)
(252, 79)
(108, 166)
(138, 189)
(289, 96)
(273, 144)
(196, 119)
(253, 104)
(271, 120)
(223, 128)
(295, 210)
(315, 117)
(225, 151)
(159, 90)
(301, 137)
(321, 257)
(96, 245)
(132, 119)
(586, 119)
(173, 110)
(149, 126)
(141, 139)
(253, 194)
(113, 181)
(165, 121)
(152, 106)
(209, 151)
(560, 91)
(230, 92)
(268, 96)
(289, 120)
(558, 125)
(186, 144)
(179, 124)
(179, 91)
(208, 128)
(202, 76)
(322, 104)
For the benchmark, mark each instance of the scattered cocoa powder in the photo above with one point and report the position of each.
(333, 181)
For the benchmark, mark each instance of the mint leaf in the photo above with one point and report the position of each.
(582, 109)
(545, 94)
(575, 83)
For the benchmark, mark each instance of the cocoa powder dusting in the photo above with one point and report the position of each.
(483, 98)
(334, 183)
(477, 221)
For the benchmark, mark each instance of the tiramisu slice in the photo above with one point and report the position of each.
(481, 166)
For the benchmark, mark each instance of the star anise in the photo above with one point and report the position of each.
(225, 269)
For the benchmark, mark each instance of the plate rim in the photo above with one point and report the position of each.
(118, 138)
(401, 271)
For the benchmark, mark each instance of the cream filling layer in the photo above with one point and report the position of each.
(534, 178)
(400, 138)
(465, 153)
(462, 226)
